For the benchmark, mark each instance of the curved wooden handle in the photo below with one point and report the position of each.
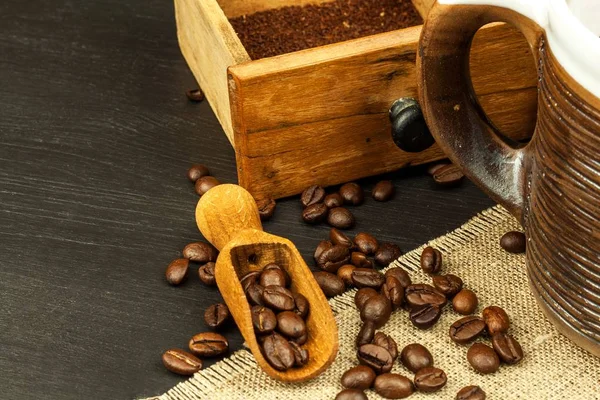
(224, 211)
(450, 105)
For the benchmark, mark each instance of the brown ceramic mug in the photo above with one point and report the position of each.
(552, 184)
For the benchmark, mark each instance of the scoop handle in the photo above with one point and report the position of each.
(224, 211)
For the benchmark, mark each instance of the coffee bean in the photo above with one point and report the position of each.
(181, 362)
(431, 260)
(333, 200)
(495, 319)
(362, 295)
(465, 302)
(420, 294)
(345, 274)
(399, 274)
(300, 340)
(216, 315)
(341, 218)
(272, 277)
(393, 386)
(366, 243)
(266, 208)
(352, 194)
(430, 379)
(415, 357)
(315, 213)
(386, 341)
(278, 352)
(448, 176)
(330, 284)
(290, 324)
(383, 191)
(333, 258)
(376, 309)
(387, 253)
(351, 394)
(367, 277)
(338, 237)
(448, 284)
(204, 184)
(375, 357)
(207, 274)
(300, 355)
(249, 278)
(434, 167)
(483, 358)
(302, 306)
(513, 242)
(278, 298)
(197, 171)
(365, 334)
(312, 195)
(359, 377)
(288, 280)
(360, 260)
(508, 349)
(195, 95)
(393, 290)
(321, 247)
(254, 293)
(424, 317)
(208, 344)
(200, 252)
(177, 271)
(466, 329)
(263, 320)
(470, 393)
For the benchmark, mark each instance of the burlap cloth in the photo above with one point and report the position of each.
(553, 368)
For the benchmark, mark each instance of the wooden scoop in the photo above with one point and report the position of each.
(228, 217)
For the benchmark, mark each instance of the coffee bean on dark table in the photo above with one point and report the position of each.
(362, 295)
(290, 324)
(181, 362)
(430, 379)
(272, 277)
(415, 357)
(333, 258)
(376, 309)
(508, 349)
(387, 253)
(207, 274)
(330, 284)
(352, 194)
(465, 302)
(200, 252)
(263, 320)
(448, 176)
(393, 290)
(333, 200)
(483, 358)
(338, 237)
(360, 260)
(367, 277)
(254, 293)
(421, 294)
(278, 298)
(195, 95)
(216, 315)
(431, 260)
(197, 171)
(321, 247)
(204, 184)
(434, 167)
(375, 357)
(365, 334)
(399, 274)
(177, 271)
(424, 317)
(266, 208)
(249, 278)
(386, 341)
(466, 329)
(351, 394)
(302, 306)
(208, 344)
(470, 393)
(315, 213)
(340, 218)
(278, 352)
(345, 274)
(448, 284)
(366, 243)
(359, 377)
(300, 355)
(393, 386)
(514, 242)
(312, 195)
(383, 191)
(495, 319)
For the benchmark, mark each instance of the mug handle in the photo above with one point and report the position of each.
(497, 164)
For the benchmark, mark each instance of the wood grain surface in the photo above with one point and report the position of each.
(95, 138)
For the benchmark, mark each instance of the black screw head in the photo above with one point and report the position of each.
(409, 130)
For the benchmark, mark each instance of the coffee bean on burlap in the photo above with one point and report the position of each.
(415, 356)
(352, 193)
(430, 379)
(393, 290)
(197, 171)
(421, 294)
(263, 320)
(393, 386)
(466, 329)
(365, 334)
(431, 260)
(181, 362)
(399, 274)
(206, 273)
(362, 295)
(376, 309)
(340, 218)
(514, 242)
(448, 284)
(366, 243)
(278, 352)
(386, 341)
(424, 317)
(312, 195)
(345, 274)
(495, 319)
(208, 344)
(375, 357)
(359, 377)
(483, 358)
(507, 347)
(386, 253)
(465, 302)
(216, 315)
(367, 277)
(177, 271)
(330, 284)
(351, 394)
(470, 393)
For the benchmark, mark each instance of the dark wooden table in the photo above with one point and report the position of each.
(95, 139)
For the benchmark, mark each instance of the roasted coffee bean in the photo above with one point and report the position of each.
(338, 237)
(359, 377)
(216, 315)
(278, 298)
(302, 306)
(386, 341)
(352, 194)
(448, 176)
(272, 277)
(365, 334)
(367, 277)
(208, 344)
(312, 195)
(422, 294)
(278, 352)
(383, 191)
(181, 362)
(332, 259)
(366, 243)
(288, 280)
(434, 167)
(399, 274)
(470, 393)
(254, 293)
(333, 200)
(330, 284)
(393, 290)
(431, 260)
(290, 324)
(300, 355)
(340, 218)
(195, 95)
(424, 317)
(362, 295)
(415, 357)
(448, 284)
(321, 247)
(300, 340)
(430, 379)
(204, 184)
(513, 242)
(466, 329)
(465, 302)
(263, 320)
(345, 274)
(249, 278)
(495, 319)
(483, 358)
(376, 309)
(386, 253)
(266, 208)
(200, 252)
(207, 274)
(177, 271)
(393, 386)
(375, 357)
(315, 213)
(197, 171)
(351, 394)
(360, 260)
(508, 349)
